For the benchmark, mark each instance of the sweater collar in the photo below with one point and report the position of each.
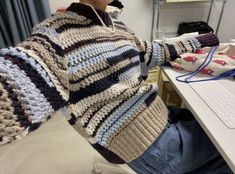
(87, 11)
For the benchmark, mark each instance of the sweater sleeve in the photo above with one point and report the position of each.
(32, 86)
(153, 54)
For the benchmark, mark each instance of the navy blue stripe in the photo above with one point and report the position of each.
(113, 99)
(73, 119)
(113, 60)
(57, 48)
(99, 85)
(38, 53)
(18, 110)
(172, 51)
(67, 26)
(151, 55)
(53, 55)
(109, 126)
(151, 98)
(86, 124)
(111, 112)
(86, 42)
(51, 94)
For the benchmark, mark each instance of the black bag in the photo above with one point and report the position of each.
(199, 26)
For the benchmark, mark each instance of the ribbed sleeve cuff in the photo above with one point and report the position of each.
(172, 51)
(208, 40)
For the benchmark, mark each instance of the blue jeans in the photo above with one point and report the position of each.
(182, 148)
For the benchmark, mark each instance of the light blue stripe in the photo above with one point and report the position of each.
(123, 119)
(32, 99)
(31, 61)
(119, 114)
(97, 59)
(156, 56)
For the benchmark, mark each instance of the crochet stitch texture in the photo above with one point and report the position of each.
(72, 62)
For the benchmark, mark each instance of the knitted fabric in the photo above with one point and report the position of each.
(73, 61)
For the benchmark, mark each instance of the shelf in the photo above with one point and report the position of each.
(158, 4)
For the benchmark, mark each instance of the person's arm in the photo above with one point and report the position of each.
(154, 54)
(32, 88)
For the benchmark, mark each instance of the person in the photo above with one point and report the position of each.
(93, 69)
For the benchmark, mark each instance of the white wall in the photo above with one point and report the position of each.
(227, 27)
(59, 3)
(137, 15)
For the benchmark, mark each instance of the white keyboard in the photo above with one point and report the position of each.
(219, 99)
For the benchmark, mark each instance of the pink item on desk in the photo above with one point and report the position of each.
(223, 60)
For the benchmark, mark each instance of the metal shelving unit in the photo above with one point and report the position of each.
(158, 5)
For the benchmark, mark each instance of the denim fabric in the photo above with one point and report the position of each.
(183, 147)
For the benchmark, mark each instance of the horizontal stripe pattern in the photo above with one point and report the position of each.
(72, 61)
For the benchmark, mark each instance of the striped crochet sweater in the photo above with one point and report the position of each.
(73, 60)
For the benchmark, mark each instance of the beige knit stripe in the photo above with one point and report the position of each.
(142, 88)
(137, 148)
(138, 111)
(58, 17)
(137, 132)
(81, 106)
(118, 44)
(168, 56)
(122, 151)
(65, 21)
(146, 136)
(127, 123)
(116, 24)
(113, 38)
(120, 27)
(110, 105)
(78, 34)
(159, 115)
(44, 52)
(73, 61)
(89, 70)
(128, 35)
(160, 108)
(100, 115)
(188, 46)
(129, 93)
(150, 126)
(10, 128)
(178, 48)
(93, 78)
(131, 149)
(149, 50)
(92, 126)
(154, 121)
(126, 139)
(88, 113)
(49, 60)
(51, 51)
(116, 41)
(163, 54)
(64, 93)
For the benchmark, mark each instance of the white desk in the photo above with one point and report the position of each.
(222, 137)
